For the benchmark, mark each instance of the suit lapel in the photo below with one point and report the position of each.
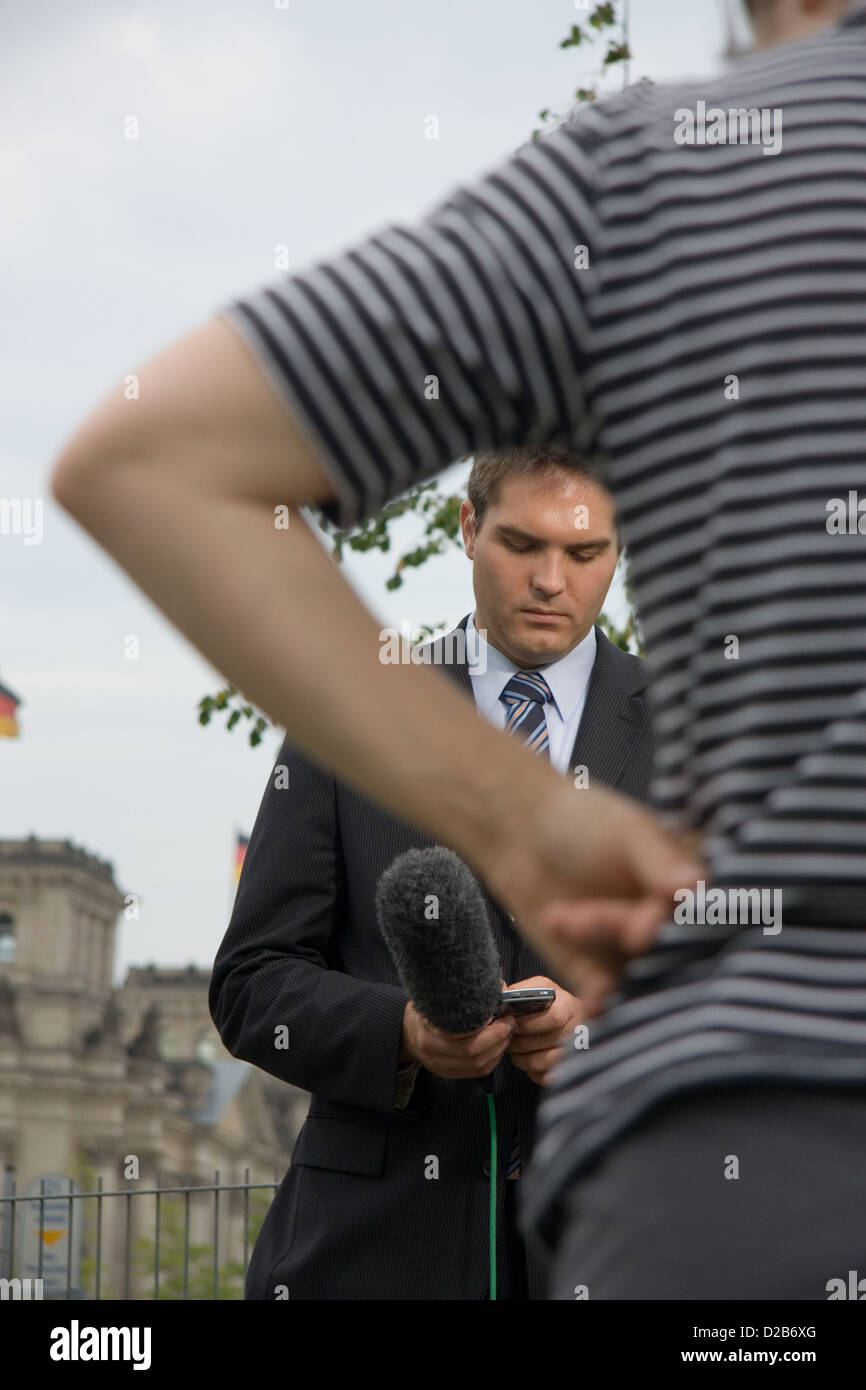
(612, 723)
(459, 668)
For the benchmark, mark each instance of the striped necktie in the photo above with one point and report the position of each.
(524, 697)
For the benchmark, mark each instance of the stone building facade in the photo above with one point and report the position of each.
(132, 1086)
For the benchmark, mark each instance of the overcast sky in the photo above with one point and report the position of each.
(258, 127)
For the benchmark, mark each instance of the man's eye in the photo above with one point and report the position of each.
(521, 549)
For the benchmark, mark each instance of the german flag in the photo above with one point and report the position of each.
(240, 854)
(8, 705)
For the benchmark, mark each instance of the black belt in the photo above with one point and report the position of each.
(840, 905)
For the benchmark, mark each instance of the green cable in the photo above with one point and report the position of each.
(491, 1115)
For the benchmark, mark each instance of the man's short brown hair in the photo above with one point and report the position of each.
(492, 466)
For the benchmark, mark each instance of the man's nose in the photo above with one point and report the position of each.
(548, 576)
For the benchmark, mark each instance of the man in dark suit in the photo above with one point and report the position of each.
(388, 1190)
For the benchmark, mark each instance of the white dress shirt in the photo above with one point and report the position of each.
(568, 679)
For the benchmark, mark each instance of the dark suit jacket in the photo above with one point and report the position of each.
(355, 1216)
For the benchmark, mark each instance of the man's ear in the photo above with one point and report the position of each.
(467, 526)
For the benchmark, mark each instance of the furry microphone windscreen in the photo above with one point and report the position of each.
(434, 918)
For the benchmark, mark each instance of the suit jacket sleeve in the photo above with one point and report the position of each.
(273, 972)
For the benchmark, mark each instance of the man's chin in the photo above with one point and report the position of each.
(538, 645)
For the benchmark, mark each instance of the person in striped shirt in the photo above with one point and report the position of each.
(674, 282)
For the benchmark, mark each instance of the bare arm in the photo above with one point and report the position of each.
(180, 486)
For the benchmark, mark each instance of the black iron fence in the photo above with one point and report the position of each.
(180, 1241)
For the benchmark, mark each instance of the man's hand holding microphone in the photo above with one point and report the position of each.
(456, 1056)
(533, 1041)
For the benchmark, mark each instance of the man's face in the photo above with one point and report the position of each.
(542, 563)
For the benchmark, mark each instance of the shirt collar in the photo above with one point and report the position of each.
(490, 669)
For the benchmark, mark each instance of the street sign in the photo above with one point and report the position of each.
(50, 1233)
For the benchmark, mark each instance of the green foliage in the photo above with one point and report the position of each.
(84, 1176)
(626, 637)
(199, 1276)
(616, 53)
(200, 1280)
(630, 637)
(603, 16)
(440, 512)
(602, 19)
(372, 534)
(574, 38)
(225, 700)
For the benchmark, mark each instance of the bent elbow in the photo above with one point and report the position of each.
(79, 472)
(111, 436)
(72, 479)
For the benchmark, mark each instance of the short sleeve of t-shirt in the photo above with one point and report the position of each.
(467, 330)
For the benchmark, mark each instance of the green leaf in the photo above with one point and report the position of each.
(603, 17)
(574, 38)
(617, 53)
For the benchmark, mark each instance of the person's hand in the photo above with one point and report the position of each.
(589, 877)
(454, 1056)
(535, 1046)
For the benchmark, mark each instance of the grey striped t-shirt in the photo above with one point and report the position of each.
(679, 288)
